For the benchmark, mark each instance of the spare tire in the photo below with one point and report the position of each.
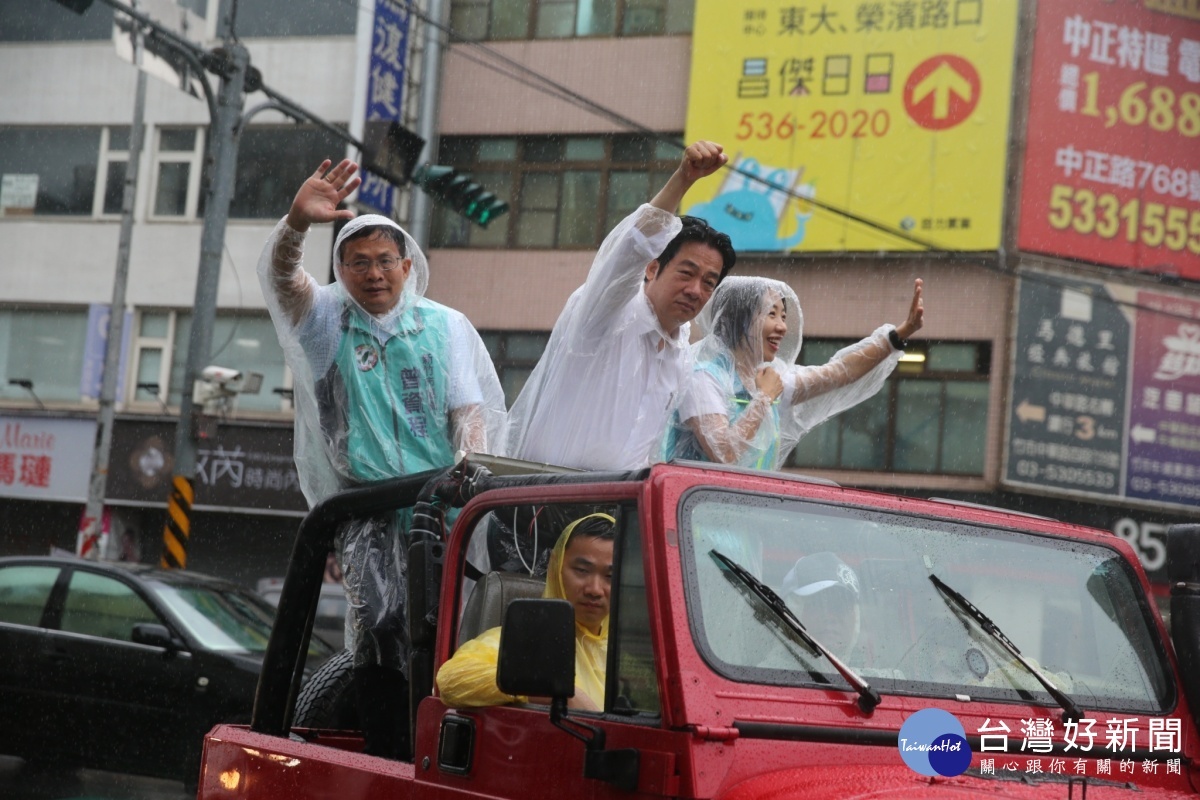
(327, 699)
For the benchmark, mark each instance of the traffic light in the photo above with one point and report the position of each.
(457, 191)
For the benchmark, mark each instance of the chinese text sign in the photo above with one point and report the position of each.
(1112, 160)
(897, 112)
(385, 89)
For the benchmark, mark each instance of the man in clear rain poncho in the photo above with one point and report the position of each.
(602, 394)
(386, 383)
(580, 571)
(749, 403)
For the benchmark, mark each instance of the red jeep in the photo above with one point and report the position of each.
(1038, 637)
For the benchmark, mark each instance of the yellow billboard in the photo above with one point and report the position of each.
(894, 112)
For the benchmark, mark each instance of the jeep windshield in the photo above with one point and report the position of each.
(859, 581)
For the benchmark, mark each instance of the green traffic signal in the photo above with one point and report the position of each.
(460, 193)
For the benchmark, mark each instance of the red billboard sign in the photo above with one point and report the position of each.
(1112, 157)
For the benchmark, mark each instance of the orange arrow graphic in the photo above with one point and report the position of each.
(940, 83)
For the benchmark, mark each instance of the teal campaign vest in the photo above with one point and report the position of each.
(385, 407)
(681, 443)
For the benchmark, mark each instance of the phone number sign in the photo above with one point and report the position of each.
(1112, 161)
(898, 112)
(1067, 408)
(1105, 397)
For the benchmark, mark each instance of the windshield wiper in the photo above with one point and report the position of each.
(1070, 710)
(868, 698)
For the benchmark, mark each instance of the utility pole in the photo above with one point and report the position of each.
(431, 77)
(223, 149)
(92, 541)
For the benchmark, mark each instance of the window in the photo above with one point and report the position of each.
(558, 19)
(859, 580)
(23, 21)
(554, 186)
(514, 354)
(48, 170)
(104, 607)
(930, 417)
(243, 342)
(293, 18)
(178, 155)
(24, 592)
(46, 348)
(272, 162)
(114, 161)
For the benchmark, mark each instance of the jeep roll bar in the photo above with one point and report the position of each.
(283, 663)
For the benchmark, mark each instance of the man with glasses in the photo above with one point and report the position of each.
(386, 383)
(603, 392)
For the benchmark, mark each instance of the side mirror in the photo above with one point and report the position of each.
(1183, 572)
(537, 649)
(154, 635)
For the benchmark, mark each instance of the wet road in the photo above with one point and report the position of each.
(17, 783)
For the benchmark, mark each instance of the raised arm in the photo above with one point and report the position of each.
(619, 268)
(856, 361)
(316, 202)
(699, 160)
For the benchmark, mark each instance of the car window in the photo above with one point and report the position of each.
(100, 606)
(220, 620)
(23, 593)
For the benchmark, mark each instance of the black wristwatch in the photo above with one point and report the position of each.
(896, 341)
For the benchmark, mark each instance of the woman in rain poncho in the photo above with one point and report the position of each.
(386, 384)
(748, 402)
(580, 572)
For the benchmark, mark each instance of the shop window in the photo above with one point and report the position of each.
(930, 417)
(474, 20)
(514, 354)
(553, 186)
(44, 348)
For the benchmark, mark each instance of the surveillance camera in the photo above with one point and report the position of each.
(220, 374)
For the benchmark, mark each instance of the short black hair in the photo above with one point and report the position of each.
(387, 231)
(696, 229)
(593, 527)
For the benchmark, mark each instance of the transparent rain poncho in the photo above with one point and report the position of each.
(724, 416)
(376, 396)
(601, 394)
(468, 678)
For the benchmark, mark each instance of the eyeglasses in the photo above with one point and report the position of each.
(359, 266)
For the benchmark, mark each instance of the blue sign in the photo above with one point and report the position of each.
(385, 89)
(93, 352)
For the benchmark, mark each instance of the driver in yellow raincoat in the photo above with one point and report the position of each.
(580, 571)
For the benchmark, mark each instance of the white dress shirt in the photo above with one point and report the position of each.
(603, 393)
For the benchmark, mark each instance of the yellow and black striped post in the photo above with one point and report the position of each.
(179, 523)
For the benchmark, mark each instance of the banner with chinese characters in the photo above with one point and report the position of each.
(244, 468)
(1105, 393)
(46, 458)
(1164, 432)
(1112, 160)
(895, 112)
(385, 88)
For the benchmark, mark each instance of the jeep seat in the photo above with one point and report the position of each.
(490, 597)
